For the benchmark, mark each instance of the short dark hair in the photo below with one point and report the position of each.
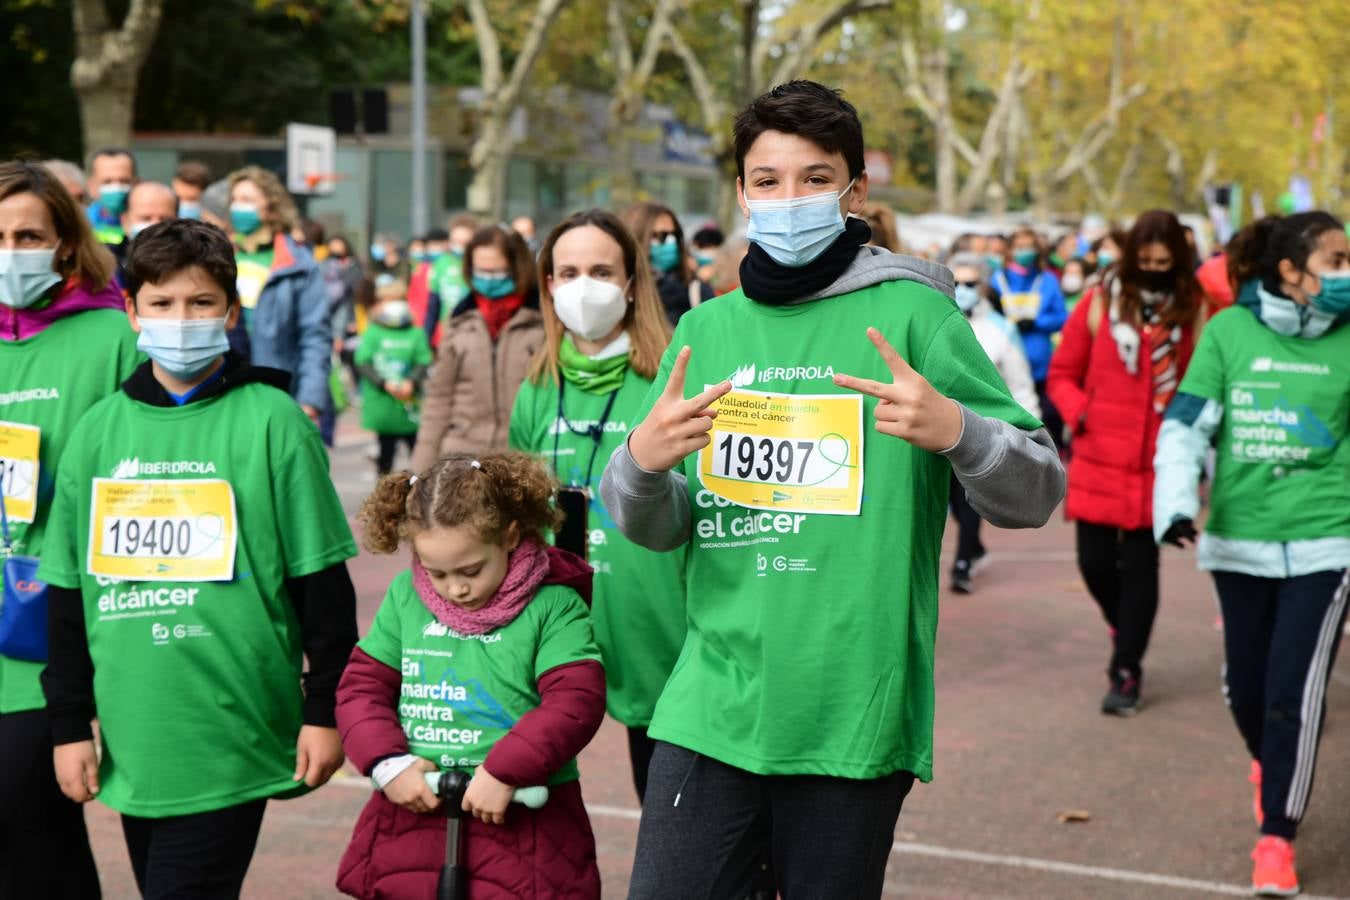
(194, 173)
(436, 234)
(810, 110)
(171, 246)
(112, 151)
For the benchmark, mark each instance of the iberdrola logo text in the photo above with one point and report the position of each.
(134, 468)
(750, 374)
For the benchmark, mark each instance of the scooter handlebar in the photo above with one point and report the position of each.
(528, 797)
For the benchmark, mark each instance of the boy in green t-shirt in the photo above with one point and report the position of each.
(197, 552)
(392, 360)
(813, 503)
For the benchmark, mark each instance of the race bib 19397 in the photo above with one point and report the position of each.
(162, 530)
(790, 453)
(19, 445)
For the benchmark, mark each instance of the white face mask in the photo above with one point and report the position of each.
(25, 275)
(1072, 284)
(589, 308)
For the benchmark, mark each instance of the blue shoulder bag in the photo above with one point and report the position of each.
(23, 608)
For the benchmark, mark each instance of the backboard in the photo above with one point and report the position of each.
(311, 159)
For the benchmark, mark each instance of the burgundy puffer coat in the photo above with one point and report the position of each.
(395, 854)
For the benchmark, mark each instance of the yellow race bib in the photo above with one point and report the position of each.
(788, 453)
(19, 469)
(162, 530)
(249, 282)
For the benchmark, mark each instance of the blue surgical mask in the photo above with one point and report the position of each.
(135, 230)
(1334, 297)
(494, 287)
(995, 262)
(1105, 259)
(703, 259)
(1025, 258)
(25, 276)
(967, 297)
(183, 347)
(113, 197)
(189, 209)
(1283, 316)
(794, 232)
(377, 252)
(665, 255)
(245, 218)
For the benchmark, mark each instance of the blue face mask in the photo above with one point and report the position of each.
(794, 232)
(189, 210)
(183, 347)
(377, 252)
(494, 287)
(245, 218)
(26, 276)
(113, 197)
(966, 297)
(1025, 258)
(665, 255)
(1334, 297)
(995, 262)
(1105, 259)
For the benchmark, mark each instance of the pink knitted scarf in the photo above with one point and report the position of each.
(525, 571)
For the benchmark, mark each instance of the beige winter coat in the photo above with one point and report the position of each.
(466, 406)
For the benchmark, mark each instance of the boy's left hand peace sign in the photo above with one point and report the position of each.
(909, 408)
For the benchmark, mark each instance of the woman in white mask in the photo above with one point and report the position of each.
(605, 332)
(64, 346)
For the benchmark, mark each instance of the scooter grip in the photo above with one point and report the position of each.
(528, 797)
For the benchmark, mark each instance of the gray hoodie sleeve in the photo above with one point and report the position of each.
(650, 508)
(1013, 478)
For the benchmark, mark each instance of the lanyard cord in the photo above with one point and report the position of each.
(595, 432)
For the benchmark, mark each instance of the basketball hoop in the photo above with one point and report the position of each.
(314, 179)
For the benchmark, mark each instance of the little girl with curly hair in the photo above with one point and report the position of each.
(481, 658)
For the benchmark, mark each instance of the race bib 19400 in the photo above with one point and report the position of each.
(19, 445)
(162, 530)
(790, 453)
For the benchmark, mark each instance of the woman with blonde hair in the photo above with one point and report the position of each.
(281, 288)
(885, 233)
(64, 346)
(605, 333)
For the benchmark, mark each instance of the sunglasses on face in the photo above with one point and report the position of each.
(968, 284)
(660, 237)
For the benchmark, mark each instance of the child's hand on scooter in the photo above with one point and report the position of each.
(486, 798)
(410, 791)
(77, 770)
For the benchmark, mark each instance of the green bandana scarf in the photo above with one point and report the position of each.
(594, 376)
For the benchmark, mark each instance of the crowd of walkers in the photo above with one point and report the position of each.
(635, 460)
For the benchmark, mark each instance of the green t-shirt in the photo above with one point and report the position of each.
(461, 693)
(447, 280)
(810, 645)
(1283, 460)
(393, 353)
(43, 393)
(638, 605)
(196, 679)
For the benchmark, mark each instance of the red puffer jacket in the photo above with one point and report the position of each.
(549, 853)
(1110, 413)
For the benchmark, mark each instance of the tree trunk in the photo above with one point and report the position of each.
(486, 194)
(107, 109)
(945, 150)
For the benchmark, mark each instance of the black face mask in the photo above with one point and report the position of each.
(1158, 282)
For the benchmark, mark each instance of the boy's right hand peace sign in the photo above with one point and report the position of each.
(675, 427)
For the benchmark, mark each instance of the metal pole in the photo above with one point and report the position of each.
(419, 118)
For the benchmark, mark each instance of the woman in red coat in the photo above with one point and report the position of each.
(1120, 360)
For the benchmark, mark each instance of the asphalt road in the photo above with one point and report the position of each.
(1019, 741)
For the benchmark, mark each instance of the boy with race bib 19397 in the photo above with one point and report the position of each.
(196, 550)
(801, 435)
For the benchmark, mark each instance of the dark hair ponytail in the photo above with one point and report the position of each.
(1255, 252)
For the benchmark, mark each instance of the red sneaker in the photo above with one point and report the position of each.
(1274, 875)
(1255, 779)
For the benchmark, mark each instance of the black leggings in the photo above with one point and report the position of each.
(640, 749)
(44, 848)
(203, 856)
(710, 830)
(1121, 571)
(968, 544)
(388, 448)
